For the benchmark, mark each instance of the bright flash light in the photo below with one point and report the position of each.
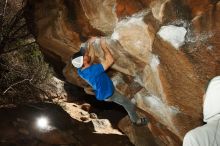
(42, 122)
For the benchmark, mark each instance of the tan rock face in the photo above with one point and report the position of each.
(166, 83)
(103, 17)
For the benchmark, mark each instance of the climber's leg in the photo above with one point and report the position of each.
(129, 107)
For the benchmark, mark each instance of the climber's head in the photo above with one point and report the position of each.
(81, 58)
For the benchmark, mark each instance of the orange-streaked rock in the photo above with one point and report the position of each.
(166, 83)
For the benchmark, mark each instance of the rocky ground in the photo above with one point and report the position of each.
(83, 125)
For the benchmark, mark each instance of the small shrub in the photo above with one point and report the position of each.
(23, 73)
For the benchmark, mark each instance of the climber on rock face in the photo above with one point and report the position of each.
(97, 78)
(208, 134)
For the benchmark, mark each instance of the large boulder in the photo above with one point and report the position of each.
(166, 82)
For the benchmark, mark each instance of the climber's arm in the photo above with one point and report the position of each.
(89, 90)
(108, 58)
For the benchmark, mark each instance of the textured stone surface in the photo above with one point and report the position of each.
(167, 84)
(18, 126)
